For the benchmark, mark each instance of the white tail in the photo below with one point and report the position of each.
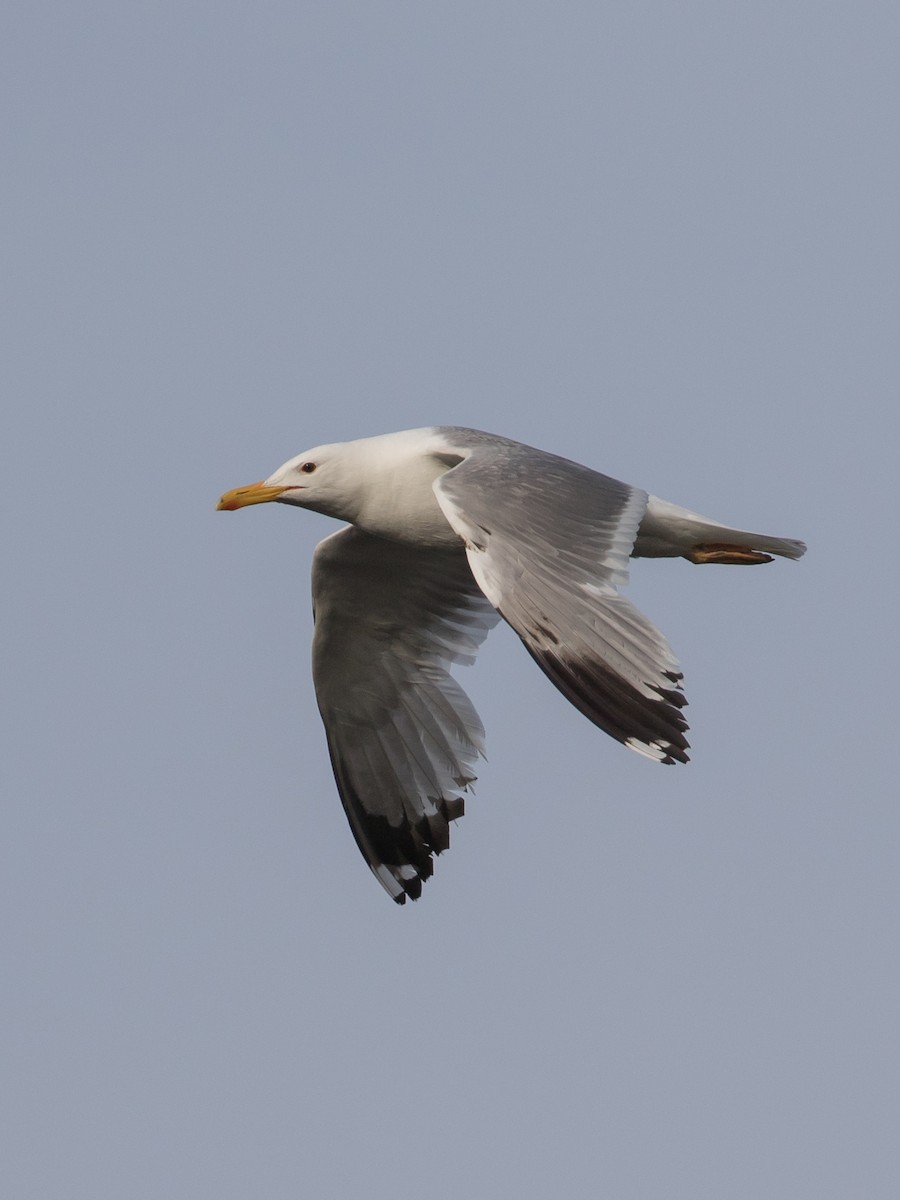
(668, 531)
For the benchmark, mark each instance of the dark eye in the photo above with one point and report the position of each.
(307, 468)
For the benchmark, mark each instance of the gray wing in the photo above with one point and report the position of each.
(402, 734)
(548, 542)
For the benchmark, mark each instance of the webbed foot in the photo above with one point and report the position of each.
(723, 552)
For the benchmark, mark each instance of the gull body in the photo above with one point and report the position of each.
(450, 529)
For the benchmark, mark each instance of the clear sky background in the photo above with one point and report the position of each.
(660, 238)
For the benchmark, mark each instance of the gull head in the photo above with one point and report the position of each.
(321, 479)
(383, 484)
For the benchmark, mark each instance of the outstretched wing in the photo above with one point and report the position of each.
(548, 542)
(402, 734)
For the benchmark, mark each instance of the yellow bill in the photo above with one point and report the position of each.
(253, 493)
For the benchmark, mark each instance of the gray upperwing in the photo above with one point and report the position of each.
(402, 735)
(548, 542)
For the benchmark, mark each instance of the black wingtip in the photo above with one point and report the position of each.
(642, 722)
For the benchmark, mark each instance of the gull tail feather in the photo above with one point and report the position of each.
(667, 530)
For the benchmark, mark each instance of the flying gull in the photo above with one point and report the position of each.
(451, 529)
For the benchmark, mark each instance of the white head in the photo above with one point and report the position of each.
(323, 479)
(382, 484)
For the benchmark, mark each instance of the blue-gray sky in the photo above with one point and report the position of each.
(658, 238)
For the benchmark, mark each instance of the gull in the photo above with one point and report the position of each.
(449, 530)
